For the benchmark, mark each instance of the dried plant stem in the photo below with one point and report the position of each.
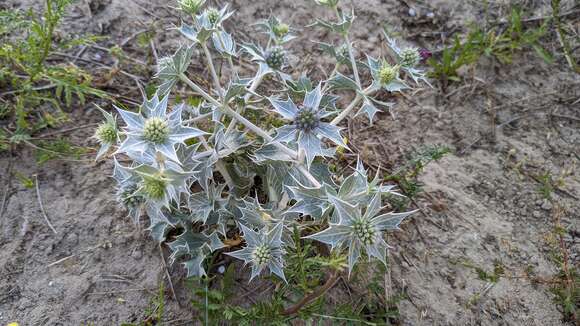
(312, 296)
(41, 206)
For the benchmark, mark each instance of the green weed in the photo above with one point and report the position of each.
(36, 90)
(498, 42)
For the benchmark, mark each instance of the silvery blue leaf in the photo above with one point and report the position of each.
(286, 134)
(224, 43)
(270, 152)
(331, 132)
(313, 98)
(396, 86)
(369, 109)
(286, 109)
(341, 82)
(311, 145)
(391, 221)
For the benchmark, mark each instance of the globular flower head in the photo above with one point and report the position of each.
(275, 57)
(264, 249)
(307, 119)
(191, 7)
(156, 130)
(364, 231)
(106, 133)
(409, 57)
(154, 187)
(262, 254)
(357, 231)
(213, 15)
(307, 127)
(161, 186)
(388, 73)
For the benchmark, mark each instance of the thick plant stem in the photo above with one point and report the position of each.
(312, 296)
(255, 83)
(350, 54)
(248, 124)
(351, 106)
(212, 70)
(346, 111)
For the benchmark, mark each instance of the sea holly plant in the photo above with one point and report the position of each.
(246, 170)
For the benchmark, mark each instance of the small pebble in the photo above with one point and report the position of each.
(221, 269)
(412, 12)
(546, 205)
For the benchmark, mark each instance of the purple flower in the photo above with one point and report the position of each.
(425, 55)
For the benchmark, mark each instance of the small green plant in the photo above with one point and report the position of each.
(497, 42)
(406, 176)
(36, 90)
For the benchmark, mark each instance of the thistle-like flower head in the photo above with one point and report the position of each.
(264, 249)
(160, 186)
(191, 7)
(275, 58)
(154, 130)
(307, 119)
(106, 133)
(388, 73)
(410, 57)
(385, 75)
(212, 18)
(357, 231)
(213, 15)
(278, 31)
(307, 127)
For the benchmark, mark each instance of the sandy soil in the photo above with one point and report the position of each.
(481, 204)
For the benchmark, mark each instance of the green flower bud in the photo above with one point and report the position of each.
(410, 57)
(154, 187)
(262, 255)
(364, 231)
(191, 6)
(106, 133)
(156, 130)
(281, 30)
(388, 73)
